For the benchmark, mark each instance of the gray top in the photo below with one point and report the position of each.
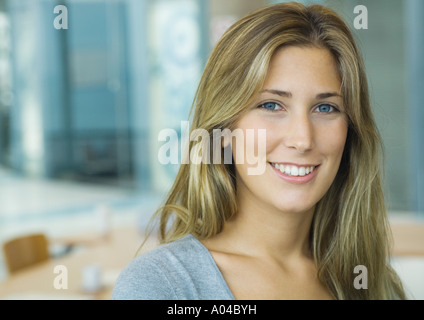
(180, 270)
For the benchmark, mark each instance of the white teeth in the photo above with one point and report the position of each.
(294, 170)
(287, 170)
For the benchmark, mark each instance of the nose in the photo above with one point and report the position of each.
(299, 133)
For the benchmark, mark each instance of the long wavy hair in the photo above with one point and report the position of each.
(350, 225)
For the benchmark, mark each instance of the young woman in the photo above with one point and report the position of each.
(300, 228)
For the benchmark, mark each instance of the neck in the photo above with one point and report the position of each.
(267, 232)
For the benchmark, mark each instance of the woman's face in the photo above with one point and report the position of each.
(302, 111)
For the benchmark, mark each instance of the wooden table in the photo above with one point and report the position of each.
(111, 254)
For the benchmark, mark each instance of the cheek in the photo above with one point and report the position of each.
(332, 139)
(250, 138)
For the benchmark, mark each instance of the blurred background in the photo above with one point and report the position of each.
(86, 86)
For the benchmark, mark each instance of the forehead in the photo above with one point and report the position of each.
(294, 68)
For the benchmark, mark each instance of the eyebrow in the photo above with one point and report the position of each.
(287, 94)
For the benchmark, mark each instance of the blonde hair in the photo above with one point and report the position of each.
(350, 225)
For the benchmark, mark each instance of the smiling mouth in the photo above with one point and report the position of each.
(293, 170)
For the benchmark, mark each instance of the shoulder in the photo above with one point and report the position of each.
(167, 272)
(143, 279)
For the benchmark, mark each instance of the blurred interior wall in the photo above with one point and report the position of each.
(177, 45)
(70, 114)
(34, 67)
(237, 8)
(90, 100)
(414, 35)
(5, 85)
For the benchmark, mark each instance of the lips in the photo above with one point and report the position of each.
(294, 170)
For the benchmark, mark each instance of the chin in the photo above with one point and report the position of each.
(295, 208)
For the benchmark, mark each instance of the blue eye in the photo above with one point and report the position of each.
(271, 106)
(325, 108)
